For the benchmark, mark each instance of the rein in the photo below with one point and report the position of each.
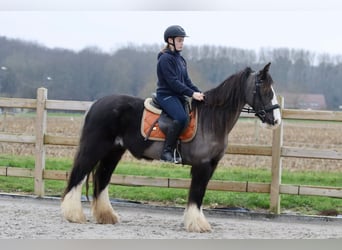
(261, 113)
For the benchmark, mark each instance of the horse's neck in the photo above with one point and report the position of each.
(232, 120)
(220, 122)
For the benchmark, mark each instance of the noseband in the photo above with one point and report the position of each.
(261, 113)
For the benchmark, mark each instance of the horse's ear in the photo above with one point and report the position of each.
(267, 67)
(264, 71)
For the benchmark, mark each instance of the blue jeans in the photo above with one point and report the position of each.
(174, 107)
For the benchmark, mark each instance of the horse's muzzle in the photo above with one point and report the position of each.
(263, 112)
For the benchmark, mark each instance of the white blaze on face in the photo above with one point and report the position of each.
(276, 112)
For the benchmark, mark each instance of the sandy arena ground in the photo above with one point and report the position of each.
(33, 218)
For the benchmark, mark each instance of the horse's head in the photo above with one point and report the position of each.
(262, 98)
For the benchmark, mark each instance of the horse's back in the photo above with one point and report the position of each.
(116, 101)
(114, 105)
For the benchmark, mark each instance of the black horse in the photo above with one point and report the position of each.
(112, 125)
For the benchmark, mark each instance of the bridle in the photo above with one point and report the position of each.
(261, 113)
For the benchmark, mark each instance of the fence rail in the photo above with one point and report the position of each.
(277, 151)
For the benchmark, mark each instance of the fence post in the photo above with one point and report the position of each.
(41, 115)
(277, 143)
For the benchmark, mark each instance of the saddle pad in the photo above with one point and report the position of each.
(149, 119)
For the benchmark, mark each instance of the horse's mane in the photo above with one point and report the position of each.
(224, 101)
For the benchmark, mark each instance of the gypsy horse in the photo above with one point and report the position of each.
(112, 126)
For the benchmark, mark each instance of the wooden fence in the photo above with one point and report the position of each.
(277, 151)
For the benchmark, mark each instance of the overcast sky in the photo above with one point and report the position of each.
(247, 24)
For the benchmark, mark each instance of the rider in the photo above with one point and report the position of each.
(172, 87)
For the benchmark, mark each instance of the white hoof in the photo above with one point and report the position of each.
(103, 211)
(71, 206)
(195, 221)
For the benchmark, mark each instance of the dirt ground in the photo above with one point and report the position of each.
(33, 218)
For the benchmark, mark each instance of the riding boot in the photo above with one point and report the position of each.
(168, 153)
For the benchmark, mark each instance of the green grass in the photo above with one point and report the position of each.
(173, 196)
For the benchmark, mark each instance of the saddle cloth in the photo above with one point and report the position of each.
(151, 130)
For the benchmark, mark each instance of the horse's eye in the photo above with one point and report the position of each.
(268, 93)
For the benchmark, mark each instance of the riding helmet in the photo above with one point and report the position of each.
(174, 31)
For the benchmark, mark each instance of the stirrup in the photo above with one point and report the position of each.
(177, 158)
(172, 158)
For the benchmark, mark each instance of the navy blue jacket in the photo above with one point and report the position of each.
(173, 76)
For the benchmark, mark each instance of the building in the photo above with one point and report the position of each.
(304, 101)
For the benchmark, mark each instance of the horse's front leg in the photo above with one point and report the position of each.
(194, 219)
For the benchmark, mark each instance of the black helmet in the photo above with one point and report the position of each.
(174, 31)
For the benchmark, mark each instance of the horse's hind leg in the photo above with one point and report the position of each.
(71, 201)
(194, 219)
(101, 207)
(90, 152)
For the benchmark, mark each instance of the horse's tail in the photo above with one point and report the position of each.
(87, 185)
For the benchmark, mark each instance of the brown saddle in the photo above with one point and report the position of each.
(150, 127)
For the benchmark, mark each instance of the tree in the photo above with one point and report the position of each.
(90, 73)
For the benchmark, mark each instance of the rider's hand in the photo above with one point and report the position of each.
(198, 96)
